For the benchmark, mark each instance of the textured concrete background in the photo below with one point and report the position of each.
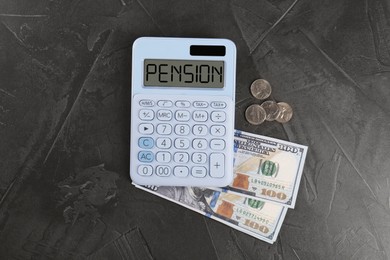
(64, 126)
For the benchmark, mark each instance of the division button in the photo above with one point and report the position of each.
(146, 129)
(218, 116)
(198, 172)
(180, 171)
(145, 170)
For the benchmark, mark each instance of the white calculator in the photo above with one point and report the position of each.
(182, 111)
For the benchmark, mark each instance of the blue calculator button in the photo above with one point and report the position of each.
(145, 142)
(145, 156)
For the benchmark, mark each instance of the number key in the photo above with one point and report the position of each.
(199, 144)
(181, 157)
(164, 129)
(199, 130)
(163, 143)
(182, 129)
(182, 143)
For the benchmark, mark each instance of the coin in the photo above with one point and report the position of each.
(255, 114)
(285, 114)
(271, 110)
(261, 89)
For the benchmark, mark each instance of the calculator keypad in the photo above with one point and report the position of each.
(181, 138)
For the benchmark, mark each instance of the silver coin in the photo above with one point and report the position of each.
(255, 114)
(271, 110)
(285, 114)
(261, 89)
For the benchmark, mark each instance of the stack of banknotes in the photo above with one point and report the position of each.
(267, 173)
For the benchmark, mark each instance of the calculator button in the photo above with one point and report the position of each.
(218, 116)
(200, 104)
(146, 103)
(145, 156)
(163, 143)
(198, 172)
(146, 129)
(200, 116)
(181, 157)
(180, 171)
(199, 130)
(163, 157)
(217, 144)
(164, 103)
(145, 170)
(218, 104)
(182, 129)
(164, 129)
(182, 103)
(163, 171)
(199, 158)
(182, 143)
(199, 144)
(217, 130)
(146, 142)
(146, 114)
(164, 115)
(217, 165)
(182, 115)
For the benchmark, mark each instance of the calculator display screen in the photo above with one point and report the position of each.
(184, 73)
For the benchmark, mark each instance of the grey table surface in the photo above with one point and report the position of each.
(65, 76)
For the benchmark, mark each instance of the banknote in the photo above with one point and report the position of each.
(266, 168)
(254, 217)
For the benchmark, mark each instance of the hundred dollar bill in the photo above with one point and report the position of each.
(267, 168)
(257, 218)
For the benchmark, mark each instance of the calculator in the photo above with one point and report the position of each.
(182, 111)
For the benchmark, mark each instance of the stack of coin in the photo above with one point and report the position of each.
(269, 110)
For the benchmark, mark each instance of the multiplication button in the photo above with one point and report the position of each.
(217, 130)
(145, 170)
